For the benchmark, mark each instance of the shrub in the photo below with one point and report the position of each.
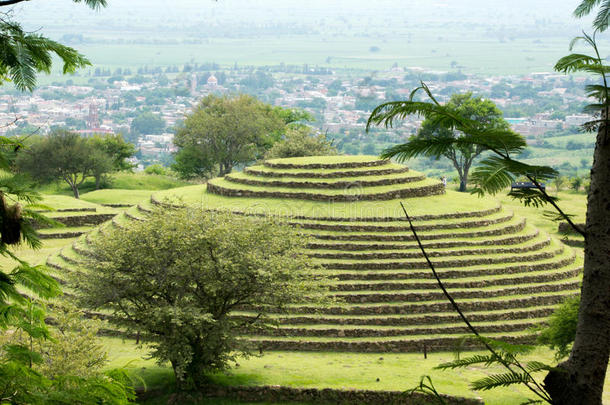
(301, 142)
(156, 169)
(179, 275)
(561, 328)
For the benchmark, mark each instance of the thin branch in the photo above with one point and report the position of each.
(539, 391)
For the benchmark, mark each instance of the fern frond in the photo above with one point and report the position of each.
(36, 280)
(534, 366)
(508, 348)
(603, 17)
(469, 361)
(416, 146)
(531, 197)
(500, 380)
(492, 175)
(554, 216)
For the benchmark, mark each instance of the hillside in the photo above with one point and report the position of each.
(506, 274)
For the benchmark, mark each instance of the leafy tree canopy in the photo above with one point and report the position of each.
(179, 275)
(147, 123)
(63, 156)
(475, 108)
(226, 131)
(115, 146)
(301, 141)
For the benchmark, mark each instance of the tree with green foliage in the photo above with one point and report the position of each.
(301, 141)
(114, 147)
(576, 183)
(580, 379)
(147, 123)
(222, 132)
(66, 156)
(467, 105)
(560, 330)
(178, 276)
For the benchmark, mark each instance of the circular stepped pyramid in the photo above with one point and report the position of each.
(347, 180)
(505, 274)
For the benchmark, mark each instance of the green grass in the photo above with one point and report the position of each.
(120, 180)
(451, 202)
(327, 192)
(117, 196)
(395, 371)
(288, 172)
(397, 176)
(571, 202)
(327, 160)
(66, 202)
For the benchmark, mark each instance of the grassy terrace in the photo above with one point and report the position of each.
(398, 177)
(327, 160)
(450, 203)
(361, 191)
(288, 172)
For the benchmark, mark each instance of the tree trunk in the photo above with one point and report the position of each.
(463, 183)
(580, 380)
(98, 181)
(225, 168)
(75, 190)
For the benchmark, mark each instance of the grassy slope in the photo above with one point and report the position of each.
(450, 202)
(121, 180)
(571, 202)
(334, 370)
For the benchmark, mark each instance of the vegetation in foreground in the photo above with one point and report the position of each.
(205, 265)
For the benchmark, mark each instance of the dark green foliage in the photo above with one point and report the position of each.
(603, 15)
(177, 276)
(115, 146)
(194, 161)
(147, 123)
(225, 131)
(560, 330)
(301, 141)
(64, 156)
(480, 113)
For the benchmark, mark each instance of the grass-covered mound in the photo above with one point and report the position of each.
(506, 274)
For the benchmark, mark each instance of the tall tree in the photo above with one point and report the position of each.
(580, 379)
(227, 131)
(66, 156)
(462, 156)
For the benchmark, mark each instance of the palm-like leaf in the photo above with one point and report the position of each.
(492, 175)
(469, 361)
(501, 380)
(534, 366)
(534, 198)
